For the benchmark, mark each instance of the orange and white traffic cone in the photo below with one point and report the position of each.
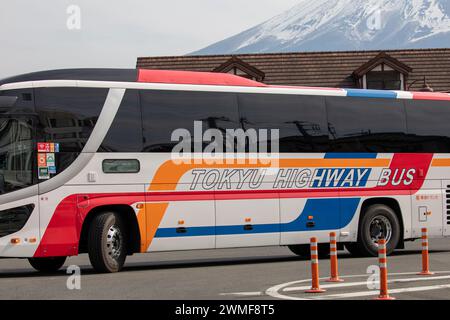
(315, 287)
(382, 259)
(334, 276)
(425, 259)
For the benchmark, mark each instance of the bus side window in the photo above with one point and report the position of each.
(301, 120)
(24, 103)
(125, 133)
(121, 166)
(428, 125)
(67, 116)
(164, 112)
(367, 125)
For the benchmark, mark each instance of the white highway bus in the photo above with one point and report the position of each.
(86, 166)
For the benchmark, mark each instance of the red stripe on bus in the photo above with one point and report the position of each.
(431, 96)
(195, 78)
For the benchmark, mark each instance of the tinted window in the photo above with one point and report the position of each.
(24, 103)
(165, 111)
(125, 134)
(68, 115)
(16, 153)
(367, 125)
(301, 120)
(428, 125)
(121, 166)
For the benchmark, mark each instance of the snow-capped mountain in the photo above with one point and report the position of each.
(327, 25)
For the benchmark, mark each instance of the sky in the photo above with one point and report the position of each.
(51, 34)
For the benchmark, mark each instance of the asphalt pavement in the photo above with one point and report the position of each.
(231, 274)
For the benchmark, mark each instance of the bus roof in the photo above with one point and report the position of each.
(203, 78)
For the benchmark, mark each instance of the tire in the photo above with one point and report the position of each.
(47, 264)
(304, 250)
(375, 219)
(107, 246)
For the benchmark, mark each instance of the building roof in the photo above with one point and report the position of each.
(321, 69)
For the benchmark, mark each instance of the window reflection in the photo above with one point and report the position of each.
(301, 120)
(16, 154)
(164, 112)
(367, 125)
(68, 115)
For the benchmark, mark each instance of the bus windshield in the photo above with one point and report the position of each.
(16, 154)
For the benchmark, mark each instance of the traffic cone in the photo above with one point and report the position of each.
(382, 260)
(334, 274)
(425, 255)
(315, 287)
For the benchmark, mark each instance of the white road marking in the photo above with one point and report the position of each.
(376, 292)
(275, 290)
(243, 294)
(361, 283)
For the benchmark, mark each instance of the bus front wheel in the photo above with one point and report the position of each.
(52, 264)
(107, 242)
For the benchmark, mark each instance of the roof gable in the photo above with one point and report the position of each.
(235, 62)
(382, 58)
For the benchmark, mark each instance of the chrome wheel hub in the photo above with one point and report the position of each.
(380, 228)
(114, 242)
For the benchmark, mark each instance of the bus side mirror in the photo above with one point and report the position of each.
(6, 102)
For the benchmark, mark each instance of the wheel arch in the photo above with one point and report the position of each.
(128, 216)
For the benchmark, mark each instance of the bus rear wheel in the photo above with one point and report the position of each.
(106, 242)
(52, 264)
(378, 221)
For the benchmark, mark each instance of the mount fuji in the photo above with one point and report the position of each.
(336, 25)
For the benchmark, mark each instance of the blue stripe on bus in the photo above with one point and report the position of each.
(325, 212)
(351, 155)
(371, 93)
(190, 232)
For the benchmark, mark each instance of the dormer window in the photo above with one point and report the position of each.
(384, 77)
(382, 73)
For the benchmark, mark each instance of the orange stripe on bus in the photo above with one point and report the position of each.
(153, 213)
(440, 163)
(171, 172)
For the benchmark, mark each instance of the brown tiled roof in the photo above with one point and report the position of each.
(321, 69)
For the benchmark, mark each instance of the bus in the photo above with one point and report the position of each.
(87, 166)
